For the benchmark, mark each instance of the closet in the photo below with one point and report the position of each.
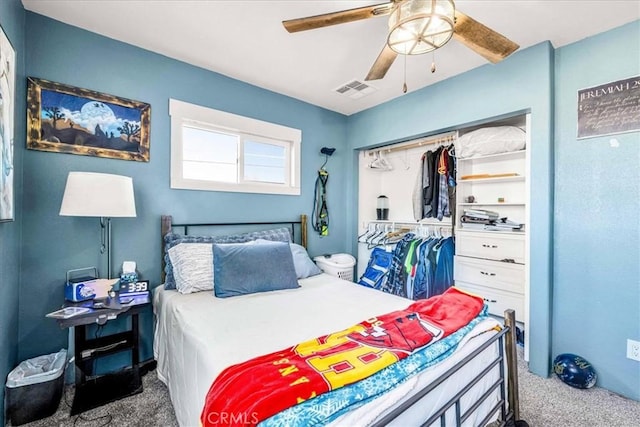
(490, 215)
(424, 246)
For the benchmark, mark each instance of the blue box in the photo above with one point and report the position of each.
(79, 289)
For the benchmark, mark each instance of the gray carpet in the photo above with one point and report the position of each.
(544, 402)
(152, 407)
(548, 402)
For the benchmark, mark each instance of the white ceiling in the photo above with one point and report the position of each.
(246, 40)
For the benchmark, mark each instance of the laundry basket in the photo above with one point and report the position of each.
(339, 265)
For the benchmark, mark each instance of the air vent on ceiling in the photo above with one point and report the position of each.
(355, 89)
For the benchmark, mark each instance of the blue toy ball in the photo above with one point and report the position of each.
(574, 370)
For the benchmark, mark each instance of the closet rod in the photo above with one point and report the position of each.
(419, 143)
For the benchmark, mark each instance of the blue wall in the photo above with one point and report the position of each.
(55, 244)
(522, 83)
(597, 217)
(12, 22)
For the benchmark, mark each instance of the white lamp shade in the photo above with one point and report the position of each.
(98, 194)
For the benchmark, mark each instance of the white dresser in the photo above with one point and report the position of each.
(489, 263)
(492, 266)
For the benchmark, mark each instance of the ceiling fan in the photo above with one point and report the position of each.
(416, 27)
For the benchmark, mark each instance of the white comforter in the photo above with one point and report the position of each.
(198, 335)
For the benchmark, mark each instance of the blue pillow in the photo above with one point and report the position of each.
(241, 269)
(301, 261)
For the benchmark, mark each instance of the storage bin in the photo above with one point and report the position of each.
(34, 388)
(339, 265)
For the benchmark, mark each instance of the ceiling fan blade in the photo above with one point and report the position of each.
(483, 40)
(327, 19)
(382, 64)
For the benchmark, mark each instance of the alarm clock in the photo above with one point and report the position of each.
(134, 288)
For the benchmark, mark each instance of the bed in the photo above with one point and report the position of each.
(198, 335)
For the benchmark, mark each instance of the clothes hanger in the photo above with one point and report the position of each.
(384, 163)
(374, 229)
(369, 229)
(395, 236)
(371, 239)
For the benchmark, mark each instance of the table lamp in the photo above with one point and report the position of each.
(99, 195)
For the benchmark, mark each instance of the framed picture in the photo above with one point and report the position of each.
(67, 119)
(7, 117)
(609, 109)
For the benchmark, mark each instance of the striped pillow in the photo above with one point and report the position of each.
(192, 267)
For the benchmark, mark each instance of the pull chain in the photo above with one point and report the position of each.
(404, 86)
(103, 236)
(433, 62)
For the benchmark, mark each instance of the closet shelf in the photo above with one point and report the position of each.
(471, 230)
(493, 156)
(432, 221)
(490, 204)
(490, 179)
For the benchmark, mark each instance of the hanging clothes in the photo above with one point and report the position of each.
(375, 275)
(434, 190)
(417, 268)
(443, 273)
(395, 282)
(425, 271)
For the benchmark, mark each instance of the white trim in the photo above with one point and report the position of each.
(185, 114)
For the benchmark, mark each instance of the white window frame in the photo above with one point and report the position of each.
(186, 114)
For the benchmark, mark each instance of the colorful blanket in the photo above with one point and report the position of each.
(250, 392)
(329, 406)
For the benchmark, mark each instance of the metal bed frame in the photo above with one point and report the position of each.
(509, 402)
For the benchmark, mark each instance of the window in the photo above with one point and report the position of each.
(218, 151)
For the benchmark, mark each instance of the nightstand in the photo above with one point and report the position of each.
(96, 390)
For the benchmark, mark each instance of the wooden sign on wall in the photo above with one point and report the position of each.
(609, 109)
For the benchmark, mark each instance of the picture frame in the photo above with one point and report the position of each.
(7, 126)
(609, 109)
(68, 119)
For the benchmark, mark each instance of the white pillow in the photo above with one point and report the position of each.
(192, 266)
(491, 140)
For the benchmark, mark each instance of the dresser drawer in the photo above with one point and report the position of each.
(497, 247)
(498, 301)
(495, 274)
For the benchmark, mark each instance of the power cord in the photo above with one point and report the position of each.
(108, 417)
(98, 332)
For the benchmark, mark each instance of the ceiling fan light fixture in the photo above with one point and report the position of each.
(420, 26)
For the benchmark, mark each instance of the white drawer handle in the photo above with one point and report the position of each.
(490, 300)
(487, 274)
(484, 245)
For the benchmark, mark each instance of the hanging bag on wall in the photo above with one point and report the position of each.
(320, 212)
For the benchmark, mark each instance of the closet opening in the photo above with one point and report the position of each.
(456, 213)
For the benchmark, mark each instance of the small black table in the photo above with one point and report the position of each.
(96, 390)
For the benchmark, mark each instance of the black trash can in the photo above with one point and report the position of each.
(34, 388)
